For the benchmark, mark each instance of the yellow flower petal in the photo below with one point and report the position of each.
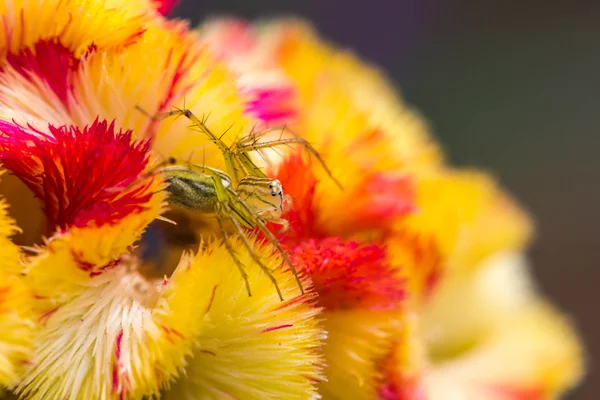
(251, 347)
(107, 330)
(461, 218)
(342, 100)
(16, 303)
(489, 333)
(177, 70)
(357, 342)
(113, 338)
(76, 24)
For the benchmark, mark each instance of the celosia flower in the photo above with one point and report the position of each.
(409, 292)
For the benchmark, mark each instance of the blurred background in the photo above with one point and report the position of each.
(509, 86)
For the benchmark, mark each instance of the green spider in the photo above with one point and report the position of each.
(244, 195)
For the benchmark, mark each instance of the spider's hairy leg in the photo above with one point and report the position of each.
(249, 141)
(236, 260)
(263, 228)
(232, 207)
(243, 149)
(234, 169)
(226, 211)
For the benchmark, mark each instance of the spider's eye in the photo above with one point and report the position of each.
(273, 194)
(271, 186)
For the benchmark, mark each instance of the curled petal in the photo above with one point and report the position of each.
(343, 101)
(178, 72)
(271, 96)
(119, 334)
(115, 335)
(468, 217)
(45, 69)
(460, 218)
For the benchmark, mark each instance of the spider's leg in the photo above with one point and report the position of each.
(158, 116)
(253, 137)
(236, 260)
(234, 168)
(250, 249)
(289, 141)
(263, 228)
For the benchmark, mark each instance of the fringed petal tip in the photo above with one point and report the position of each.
(350, 275)
(369, 202)
(121, 334)
(272, 348)
(76, 172)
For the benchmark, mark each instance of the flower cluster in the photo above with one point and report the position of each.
(415, 283)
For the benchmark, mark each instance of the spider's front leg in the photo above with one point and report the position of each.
(246, 145)
(235, 169)
(230, 206)
(231, 251)
(243, 207)
(227, 212)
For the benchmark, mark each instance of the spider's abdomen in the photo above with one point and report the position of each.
(195, 195)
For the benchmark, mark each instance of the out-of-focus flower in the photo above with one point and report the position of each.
(507, 343)
(433, 222)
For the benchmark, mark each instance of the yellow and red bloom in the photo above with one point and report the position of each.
(410, 269)
(102, 325)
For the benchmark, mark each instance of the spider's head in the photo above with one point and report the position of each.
(263, 195)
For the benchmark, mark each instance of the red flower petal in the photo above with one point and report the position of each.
(275, 105)
(514, 392)
(396, 383)
(69, 169)
(49, 61)
(300, 183)
(371, 204)
(164, 7)
(348, 275)
(401, 390)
